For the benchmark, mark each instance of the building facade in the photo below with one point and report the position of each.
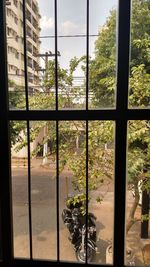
(15, 42)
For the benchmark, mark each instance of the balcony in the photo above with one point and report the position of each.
(29, 34)
(29, 49)
(28, 18)
(29, 3)
(30, 65)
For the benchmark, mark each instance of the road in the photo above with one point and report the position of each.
(44, 217)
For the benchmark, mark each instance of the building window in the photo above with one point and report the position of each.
(17, 55)
(15, 3)
(21, 6)
(16, 20)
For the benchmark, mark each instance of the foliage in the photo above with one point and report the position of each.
(145, 217)
(16, 128)
(16, 95)
(139, 87)
(103, 66)
(102, 70)
(69, 94)
(100, 160)
(102, 86)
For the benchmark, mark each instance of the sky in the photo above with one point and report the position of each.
(72, 21)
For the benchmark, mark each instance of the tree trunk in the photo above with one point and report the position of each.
(45, 147)
(131, 218)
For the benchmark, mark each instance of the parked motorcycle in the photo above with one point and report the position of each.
(75, 221)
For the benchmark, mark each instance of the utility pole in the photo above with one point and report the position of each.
(45, 57)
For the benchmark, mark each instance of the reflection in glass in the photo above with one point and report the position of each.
(19, 173)
(102, 54)
(43, 189)
(138, 198)
(139, 82)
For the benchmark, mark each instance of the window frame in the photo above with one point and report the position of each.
(121, 115)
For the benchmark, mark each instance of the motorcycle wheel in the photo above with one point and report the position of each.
(81, 256)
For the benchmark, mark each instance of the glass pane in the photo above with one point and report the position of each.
(19, 173)
(43, 189)
(15, 55)
(72, 156)
(40, 54)
(101, 187)
(102, 52)
(72, 48)
(138, 196)
(139, 82)
(71, 78)
(72, 168)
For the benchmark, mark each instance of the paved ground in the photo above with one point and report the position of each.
(44, 217)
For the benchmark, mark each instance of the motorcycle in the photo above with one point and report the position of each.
(75, 221)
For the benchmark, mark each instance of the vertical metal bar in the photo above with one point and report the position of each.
(25, 55)
(57, 188)
(121, 131)
(57, 133)
(123, 57)
(28, 127)
(87, 152)
(145, 211)
(87, 55)
(29, 191)
(120, 193)
(0, 227)
(87, 187)
(5, 162)
(56, 56)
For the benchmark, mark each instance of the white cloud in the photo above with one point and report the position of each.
(46, 23)
(68, 27)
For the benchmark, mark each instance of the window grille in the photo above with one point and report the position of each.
(121, 115)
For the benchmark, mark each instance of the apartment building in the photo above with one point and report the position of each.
(15, 42)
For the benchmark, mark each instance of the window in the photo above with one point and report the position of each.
(17, 55)
(15, 3)
(21, 6)
(61, 118)
(16, 20)
(17, 38)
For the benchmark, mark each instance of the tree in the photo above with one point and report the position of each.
(102, 85)
(102, 70)
(103, 66)
(138, 162)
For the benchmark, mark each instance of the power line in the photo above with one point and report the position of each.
(52, 36)
(68, 36)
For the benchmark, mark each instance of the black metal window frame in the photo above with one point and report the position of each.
(121, 115)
